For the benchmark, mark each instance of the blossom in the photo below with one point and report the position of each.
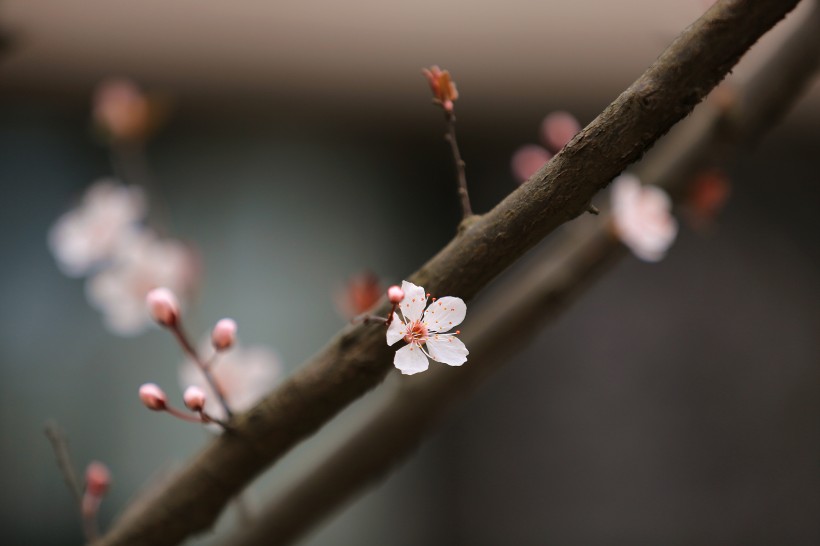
(642, 218)
(142, 262)
(443, 87)
(88, 235)
(244, 375)
(423, 327)
(527, 160)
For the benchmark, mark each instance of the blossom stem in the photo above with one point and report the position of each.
(176, 328)
(461, 176)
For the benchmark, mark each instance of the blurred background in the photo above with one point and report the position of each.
(675, 403)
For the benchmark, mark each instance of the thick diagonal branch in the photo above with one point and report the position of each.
(524, 303)
(358, 358)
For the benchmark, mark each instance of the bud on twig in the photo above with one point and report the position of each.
(153, 397)
(223, 335)
(164, 306)
(194, 398)
(97, 479)
(395, 294)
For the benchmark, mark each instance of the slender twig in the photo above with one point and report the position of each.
(358, 358)
(391, 429)
(461, 176)
(59, 443)
(203, 366)
(368, 319)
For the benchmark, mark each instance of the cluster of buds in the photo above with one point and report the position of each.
(444, 90)
(164, 309)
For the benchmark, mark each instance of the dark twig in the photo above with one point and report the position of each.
(358, 358)
(461, 176)
(59, 443)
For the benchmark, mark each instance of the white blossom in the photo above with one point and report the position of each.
(642, 218)
(244, 375)
(423, 328)
(141, 263)
(87, 236)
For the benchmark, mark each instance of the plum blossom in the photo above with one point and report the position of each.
(86, 237)
(142, 262)
(423, 327)
(244, 375)
(642, 218)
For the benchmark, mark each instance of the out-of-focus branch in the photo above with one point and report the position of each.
(358, 358)
(59, 444)
(517, 309)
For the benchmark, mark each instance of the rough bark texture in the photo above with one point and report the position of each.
(518, 309)
(358, 358)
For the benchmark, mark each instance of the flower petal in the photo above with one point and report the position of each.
(396, 330)
(410, 359)
(447, 349)
(414, 302)
(445, 314)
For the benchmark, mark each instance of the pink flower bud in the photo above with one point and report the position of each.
(97, 479)
(163, 305)
(194, 398)
(153, 397)
(223, 335)
(395, 294)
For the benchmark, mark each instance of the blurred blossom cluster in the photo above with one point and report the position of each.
(557, 129)
(105, 239)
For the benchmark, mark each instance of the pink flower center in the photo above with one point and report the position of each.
(416, 333)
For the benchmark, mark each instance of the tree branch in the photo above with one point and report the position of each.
(518, 309)
(358, 358)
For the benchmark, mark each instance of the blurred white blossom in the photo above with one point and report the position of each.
(642, 218)
(142, 262)
(87, 236)
(244, 375)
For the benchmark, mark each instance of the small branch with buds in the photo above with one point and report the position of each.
(164, 308)
(444, 95)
